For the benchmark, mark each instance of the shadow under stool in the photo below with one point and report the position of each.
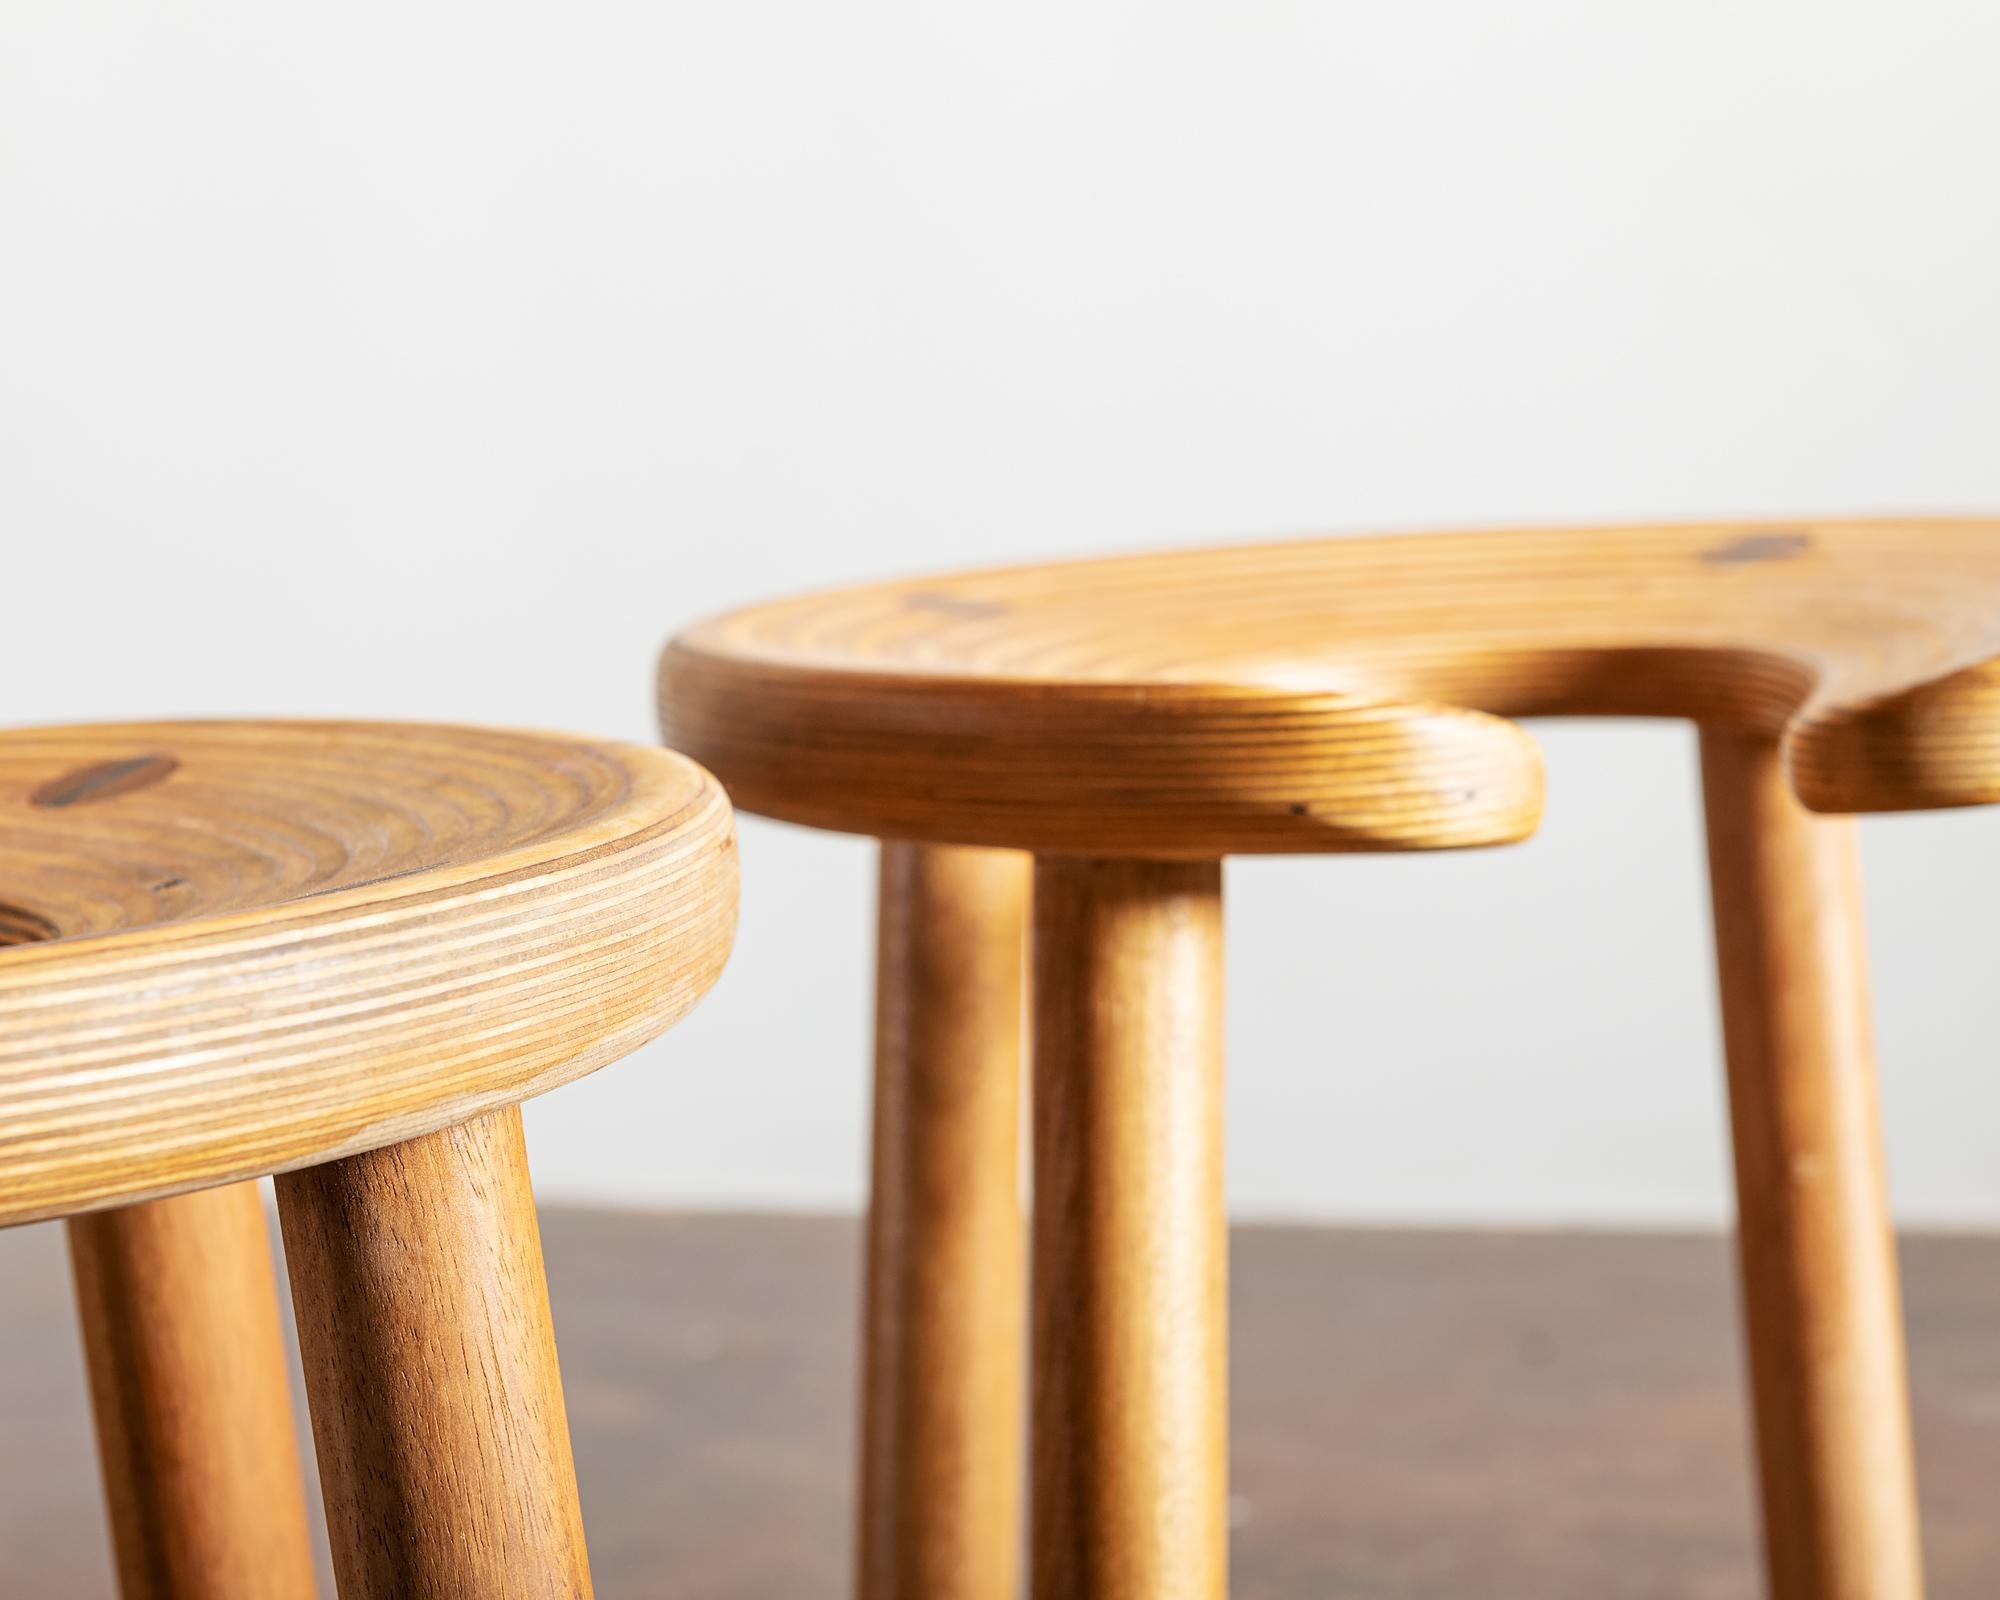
(1132, 721)
(342, 954)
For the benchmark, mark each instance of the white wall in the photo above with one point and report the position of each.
(436, 360)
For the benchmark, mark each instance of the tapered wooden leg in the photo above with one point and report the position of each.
(178, 1302)
(1818, 1258)
(1129, 1257)
(430, 1360)
(942, 1410)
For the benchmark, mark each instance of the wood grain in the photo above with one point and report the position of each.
(1346, 694)
(430, 1357)
(946, 1307)
(178, 1304)
(237, 948)
(1130, 1413)
(1823, 1312)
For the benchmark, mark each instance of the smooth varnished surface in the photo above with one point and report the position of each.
(178, 1308)
(1129, 1451)
(1823, 1315)
(1346, 694)
(236, 948)
(942, 1412)
(430, 1359)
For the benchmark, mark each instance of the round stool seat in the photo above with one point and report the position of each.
(237, 948)
(1346, 694)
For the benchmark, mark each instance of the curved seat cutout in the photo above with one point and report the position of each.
(1346, 694)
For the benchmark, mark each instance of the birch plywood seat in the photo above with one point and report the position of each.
(341, 953)
(1346, 694)
(1130, 722)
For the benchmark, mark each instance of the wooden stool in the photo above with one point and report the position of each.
(1131, 722)
(343, 954)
